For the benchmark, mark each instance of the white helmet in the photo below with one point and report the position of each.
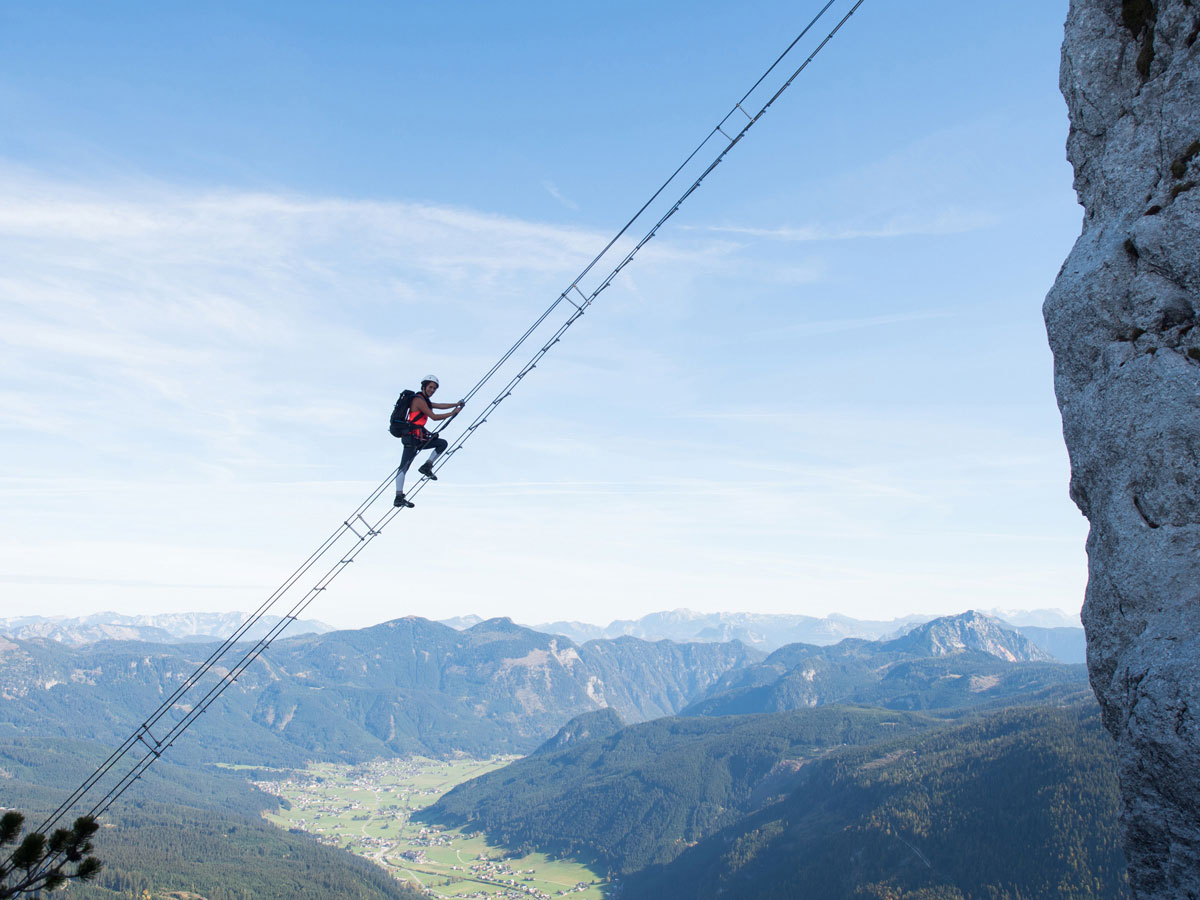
(432, 378)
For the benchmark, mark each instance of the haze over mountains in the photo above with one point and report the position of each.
(160, 628)
(1052, 630)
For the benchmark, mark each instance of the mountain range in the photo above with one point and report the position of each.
(951, 662)
(416, 686)
(406, 686)
(160, 628)
(1051, 630)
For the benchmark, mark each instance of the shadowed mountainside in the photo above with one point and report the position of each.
(1020, 803)
(837, 802)
(636, 796)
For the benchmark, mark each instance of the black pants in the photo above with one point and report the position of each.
(413, 446)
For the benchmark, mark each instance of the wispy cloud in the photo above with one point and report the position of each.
(238, 324)
(553, 191)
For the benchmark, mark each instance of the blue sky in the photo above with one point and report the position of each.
(230, 233)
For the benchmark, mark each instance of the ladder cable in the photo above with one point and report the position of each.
(700, 146)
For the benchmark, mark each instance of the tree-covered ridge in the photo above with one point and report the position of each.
(1018, 805)
(221, 856)
(187, 829)
(640, 795)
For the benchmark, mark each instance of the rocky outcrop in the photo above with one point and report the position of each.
(584, 727)
(1122, 322)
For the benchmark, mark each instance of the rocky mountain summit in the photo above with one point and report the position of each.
(1122, 322)
(969, 631)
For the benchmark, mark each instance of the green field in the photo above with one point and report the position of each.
(365, 809)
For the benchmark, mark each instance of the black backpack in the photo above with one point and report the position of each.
(398, 426)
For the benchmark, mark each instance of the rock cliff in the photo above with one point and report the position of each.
(1122, 322)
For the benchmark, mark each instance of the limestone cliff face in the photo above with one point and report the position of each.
(1122, 321)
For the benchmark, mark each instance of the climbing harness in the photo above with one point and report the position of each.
(230, 659)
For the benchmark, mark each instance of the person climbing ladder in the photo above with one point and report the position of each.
(411, 412)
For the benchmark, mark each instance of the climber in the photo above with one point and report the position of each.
(412, 411)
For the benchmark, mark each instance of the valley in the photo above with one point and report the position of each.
(367, 810)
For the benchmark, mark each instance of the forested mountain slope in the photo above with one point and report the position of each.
(1019, 805)
(827, 803)
(638, 795)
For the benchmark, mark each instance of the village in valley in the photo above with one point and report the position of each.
(367, 810)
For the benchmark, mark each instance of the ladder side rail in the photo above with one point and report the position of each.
(227, 679)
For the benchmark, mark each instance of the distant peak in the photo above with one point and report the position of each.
(500, 625)
(966, 631)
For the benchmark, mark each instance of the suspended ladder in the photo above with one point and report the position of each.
(226, 663)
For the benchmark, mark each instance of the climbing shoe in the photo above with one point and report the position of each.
(401, 501)
(427, 471)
